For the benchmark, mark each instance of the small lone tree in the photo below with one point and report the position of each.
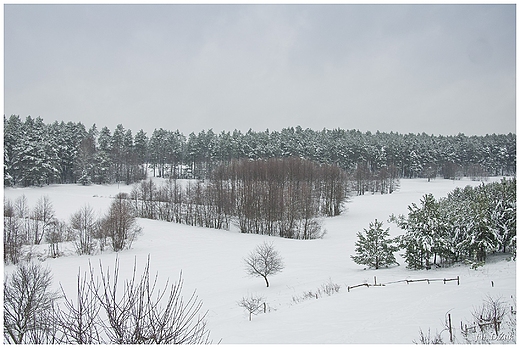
(263, 261)
(253, 304)
(374, 248)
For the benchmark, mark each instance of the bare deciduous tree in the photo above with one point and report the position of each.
(140, 315)
(264, 261)
(105, 310)
(119, 223)
(135, 312)
(21, 207)
(43, 216)
(28, 305)
(253, 304)
(83, 223)
(79, 322)
(12, 233)
(494, 322)
(490, 315)
(55, 235)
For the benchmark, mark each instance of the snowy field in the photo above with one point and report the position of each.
(211, 262)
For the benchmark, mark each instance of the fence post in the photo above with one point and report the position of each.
(449, 323)
(458, 280)
(375, 281)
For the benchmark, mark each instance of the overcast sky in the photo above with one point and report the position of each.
(439, 69)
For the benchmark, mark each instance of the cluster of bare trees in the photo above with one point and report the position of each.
(276, 197)
(26, 227)
(190, 202)
(283, 197)
(383, 180)
(105, 310)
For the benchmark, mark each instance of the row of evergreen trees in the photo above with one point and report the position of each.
(276, 197)
(468, 224)
(36, 153)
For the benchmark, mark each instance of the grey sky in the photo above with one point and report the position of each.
(439, 69)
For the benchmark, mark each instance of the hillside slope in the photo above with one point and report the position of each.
(211, 263)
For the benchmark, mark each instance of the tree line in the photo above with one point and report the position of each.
(466, 225)
(36, 153)
(469, 223)
(276, 197)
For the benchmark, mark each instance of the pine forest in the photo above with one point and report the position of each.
(36, 153)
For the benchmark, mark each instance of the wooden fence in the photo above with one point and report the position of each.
(407, 281)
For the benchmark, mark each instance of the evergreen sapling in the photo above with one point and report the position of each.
(374, 248)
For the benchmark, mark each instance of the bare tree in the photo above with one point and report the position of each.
(253, 304)
(43, 214)
(83, 223)
(120, 224)
(28, 305)
(101, 234)
(21, 207)
(79, 322)
(55, 235)
(105, 310)
(494, 322)
(490, 316)
(264, 261)
(12, 233)
(135, 312)
(147, 315)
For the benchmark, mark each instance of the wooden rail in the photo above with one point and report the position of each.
(408, 281)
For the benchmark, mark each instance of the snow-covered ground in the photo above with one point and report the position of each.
(211, 262)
